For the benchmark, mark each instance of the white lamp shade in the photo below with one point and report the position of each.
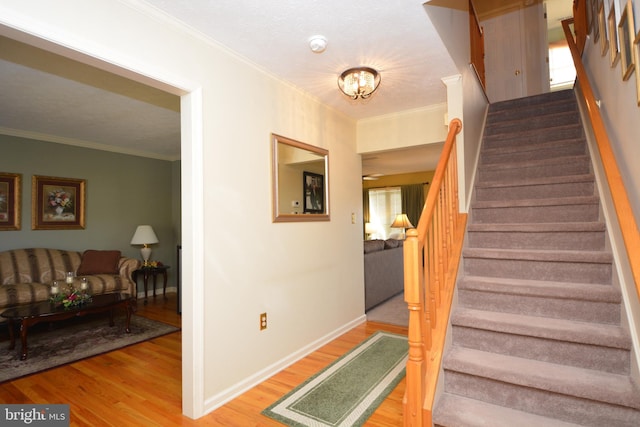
(401, 221)
(144, 235)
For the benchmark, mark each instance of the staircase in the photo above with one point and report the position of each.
(538, 335)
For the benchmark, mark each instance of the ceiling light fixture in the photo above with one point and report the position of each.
(359, 82)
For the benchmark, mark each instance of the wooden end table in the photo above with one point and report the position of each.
(152, 271)
(30, 314)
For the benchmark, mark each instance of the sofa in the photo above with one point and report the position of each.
(26, 275)
(383, 271)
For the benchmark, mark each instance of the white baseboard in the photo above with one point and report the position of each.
(225, 396)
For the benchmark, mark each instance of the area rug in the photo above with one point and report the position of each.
(349, 390)
(72, 340)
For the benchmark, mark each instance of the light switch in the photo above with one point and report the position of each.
(353, 218)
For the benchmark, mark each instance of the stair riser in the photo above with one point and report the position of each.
(543, 191)
(559, 308)
(527, 112)
(519, 139)
(536, 214)
(584, 241)
(540, 270)
(509, 174)
(532, 101)
(575, 149)
(542, 123)
(567, 408)
(586, 356)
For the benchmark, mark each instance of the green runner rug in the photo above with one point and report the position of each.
(349, 390)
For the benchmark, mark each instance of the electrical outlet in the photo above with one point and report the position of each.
(263, 321)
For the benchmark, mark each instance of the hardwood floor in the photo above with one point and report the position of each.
(141, 384)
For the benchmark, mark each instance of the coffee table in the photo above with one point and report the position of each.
(30, 314)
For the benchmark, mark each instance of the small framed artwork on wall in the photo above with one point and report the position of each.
(10, 200)
(626, 36)
(614, 50)
(57, 203)
(602, 24)
(595, 6)
(636, 49)
(313, 192)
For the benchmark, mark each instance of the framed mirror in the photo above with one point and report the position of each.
(300, 181)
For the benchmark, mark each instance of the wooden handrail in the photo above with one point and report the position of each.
(628, 224)
(431, 255)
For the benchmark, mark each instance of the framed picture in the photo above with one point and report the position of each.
(614, 49)
(313, 184)
(636, 49)
(57, 203)
(595, 6)
(10, 200)
(602, 25)
(626, 36)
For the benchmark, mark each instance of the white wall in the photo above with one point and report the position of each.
(308, 277)
(406, 129)
(620, 112)
(469, 104)
(621, 115)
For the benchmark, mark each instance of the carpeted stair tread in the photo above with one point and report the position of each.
(561, 131)
(543, 180)
(567, 380)
(542, 122)
(539, 227)
(454, 410)
(594, 257)
(549, 289)
(556, 201)
(496, 117)
(565, 97)
(543, 327)
(530, 161)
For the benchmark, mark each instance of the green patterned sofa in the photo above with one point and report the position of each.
(26, 274)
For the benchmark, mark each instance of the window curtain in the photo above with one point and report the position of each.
(365, 209)
(412, 201)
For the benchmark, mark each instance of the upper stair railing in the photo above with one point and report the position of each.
(431, 256)
(628, 224)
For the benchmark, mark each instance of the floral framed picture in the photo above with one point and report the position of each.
(626, 35)
(57, 203)
(10, 200)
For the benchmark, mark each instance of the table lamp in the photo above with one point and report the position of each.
(145, 236)
(403, 222)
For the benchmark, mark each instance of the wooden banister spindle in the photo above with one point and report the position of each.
(428, 252)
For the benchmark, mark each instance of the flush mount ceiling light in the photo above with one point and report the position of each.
(359, 82)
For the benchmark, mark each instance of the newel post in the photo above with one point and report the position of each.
(416, 365)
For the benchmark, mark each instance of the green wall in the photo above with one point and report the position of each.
(122, 191)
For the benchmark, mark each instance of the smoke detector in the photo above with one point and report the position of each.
(318, 44)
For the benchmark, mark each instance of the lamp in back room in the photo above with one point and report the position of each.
(145, 236)
(403, 222)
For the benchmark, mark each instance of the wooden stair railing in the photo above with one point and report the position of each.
(628, 224)
(431, 256)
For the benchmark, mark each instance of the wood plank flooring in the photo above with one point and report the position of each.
(141, 385)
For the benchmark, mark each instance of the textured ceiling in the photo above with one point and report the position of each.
(56, 99)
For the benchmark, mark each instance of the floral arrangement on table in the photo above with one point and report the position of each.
(59, 199)
(71, 298)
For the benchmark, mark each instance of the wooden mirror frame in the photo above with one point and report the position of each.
(306, 163)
